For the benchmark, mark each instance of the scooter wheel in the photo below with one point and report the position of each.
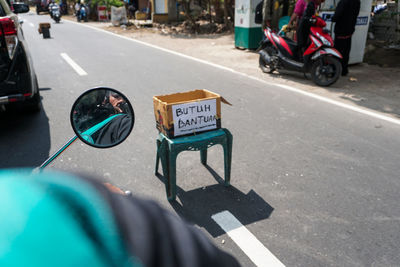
(265, 67)
(326, 70)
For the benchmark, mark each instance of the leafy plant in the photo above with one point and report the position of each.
(107, 3)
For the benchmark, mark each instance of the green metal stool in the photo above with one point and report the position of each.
(168, 150)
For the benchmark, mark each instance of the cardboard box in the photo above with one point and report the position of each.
(188, 113)
(160, 18)
(141, 15)
(42, 26)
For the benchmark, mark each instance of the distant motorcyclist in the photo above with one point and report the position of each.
(82, 12)
(51, 5)
(77, 7)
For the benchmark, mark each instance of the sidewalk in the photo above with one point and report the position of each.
(373, 87)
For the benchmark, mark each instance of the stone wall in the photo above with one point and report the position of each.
(385, 26)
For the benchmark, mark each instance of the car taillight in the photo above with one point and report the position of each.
(8, 30)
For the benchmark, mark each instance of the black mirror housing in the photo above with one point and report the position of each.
(102, 117)
(20, 8)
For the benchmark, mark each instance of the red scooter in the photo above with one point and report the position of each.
(320, 59)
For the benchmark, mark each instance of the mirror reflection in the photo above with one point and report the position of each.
(102, 117)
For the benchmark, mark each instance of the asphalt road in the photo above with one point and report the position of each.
(316, 184)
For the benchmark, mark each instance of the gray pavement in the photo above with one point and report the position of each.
(315, 183)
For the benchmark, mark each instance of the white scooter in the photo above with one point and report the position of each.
(55, 13)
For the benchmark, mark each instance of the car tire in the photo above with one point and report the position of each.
(34, 104)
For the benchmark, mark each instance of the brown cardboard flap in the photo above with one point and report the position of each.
(212, 94)
(185, 96)
(225, 101)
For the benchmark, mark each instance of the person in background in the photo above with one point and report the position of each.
(61, 219)
(132, 8)
(298, 12)
(271, 12)
(126, 3)
(51, 4)
(345, 17)
(63, 7)
(77, 7)
(303, 29)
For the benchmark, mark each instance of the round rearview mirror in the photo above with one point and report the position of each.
(102, 117)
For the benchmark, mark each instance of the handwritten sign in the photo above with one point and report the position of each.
(194, 117)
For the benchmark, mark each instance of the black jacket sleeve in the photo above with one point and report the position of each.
(156, 237)
(346, 17)
(114, 131)
(339, 11)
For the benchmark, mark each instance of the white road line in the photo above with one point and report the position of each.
(72, 63)
(286, 87)
(250, 245)
(31, 24)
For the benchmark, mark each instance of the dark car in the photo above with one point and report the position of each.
(18, 82)
(41, 6)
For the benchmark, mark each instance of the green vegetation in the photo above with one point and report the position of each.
(107, 3)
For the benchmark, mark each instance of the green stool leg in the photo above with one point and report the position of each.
(226, 165)
(164, 155)
(171, 193)
(203, 156)
(158, 155)
(228, 156)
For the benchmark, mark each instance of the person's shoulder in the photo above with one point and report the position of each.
(299, 7)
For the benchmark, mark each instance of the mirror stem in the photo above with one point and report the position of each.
(55, 155)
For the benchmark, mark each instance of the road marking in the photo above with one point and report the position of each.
(72, 63)
(286, 87)
(250, 245)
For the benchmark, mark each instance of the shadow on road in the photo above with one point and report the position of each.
(24, 139)
(197, 206)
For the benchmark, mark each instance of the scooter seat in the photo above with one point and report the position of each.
(292, 44)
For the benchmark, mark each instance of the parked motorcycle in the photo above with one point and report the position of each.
(320, 59)
(82, 14)
(55, 13)
(101, 117)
